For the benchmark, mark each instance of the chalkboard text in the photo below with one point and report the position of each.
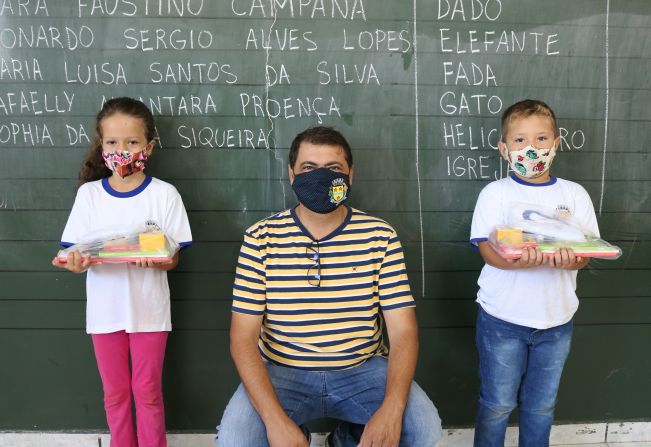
(161, 39)
(465, 10)
(280, 39)
(23, 8)
(47, 37)
(20, 70)
(34, 102)
(254, 105)
(473, 41)
(25, 133)
(105, 73)
(378, 40)
(130, 8)
(334, 9)
(222, 138)
(347, 74)
(198, 72)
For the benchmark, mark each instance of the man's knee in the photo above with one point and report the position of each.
(429, 430)
(422, 424)
(241, 425)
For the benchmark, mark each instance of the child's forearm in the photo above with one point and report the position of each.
(171, 266)
(530, 258)
(563, 259)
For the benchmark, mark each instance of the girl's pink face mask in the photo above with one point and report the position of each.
(125, 163)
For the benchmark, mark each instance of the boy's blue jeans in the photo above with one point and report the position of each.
(518, 366)
(352, 395)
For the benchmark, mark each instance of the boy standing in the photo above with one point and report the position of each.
(524, 324)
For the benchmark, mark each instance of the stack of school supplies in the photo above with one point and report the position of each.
(548, 230)
(120, 248)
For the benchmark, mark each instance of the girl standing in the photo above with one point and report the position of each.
(128, 305)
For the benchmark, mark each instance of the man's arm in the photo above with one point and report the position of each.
(385, 426)
(244, 334)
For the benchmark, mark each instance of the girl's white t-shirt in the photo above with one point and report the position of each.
(540, 297)
(123, 296)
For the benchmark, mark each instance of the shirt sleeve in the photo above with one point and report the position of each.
(78, 225)
(177, 225)
(249, 289)
(393, 284)
(487, 214)
(584, 212)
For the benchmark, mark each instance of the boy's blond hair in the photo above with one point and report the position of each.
(524, 109)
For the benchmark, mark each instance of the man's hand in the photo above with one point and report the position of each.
(383, 429)
(285, 433)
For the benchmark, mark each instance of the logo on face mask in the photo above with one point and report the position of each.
(338, 191)
(125, 163)
(531, 162)
(321, 190)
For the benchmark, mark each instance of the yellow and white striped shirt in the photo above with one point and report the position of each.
(332, 318)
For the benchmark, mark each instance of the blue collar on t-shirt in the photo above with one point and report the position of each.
(517, 179)
(122, 195)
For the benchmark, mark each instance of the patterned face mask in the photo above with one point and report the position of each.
(321, 190)
(125, 163)
(531, 162)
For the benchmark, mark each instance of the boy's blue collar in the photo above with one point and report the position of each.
(517, 179)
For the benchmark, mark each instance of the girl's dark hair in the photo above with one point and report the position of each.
(93, 167)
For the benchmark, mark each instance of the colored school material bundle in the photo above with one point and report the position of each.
(548, 230)
(111, 246)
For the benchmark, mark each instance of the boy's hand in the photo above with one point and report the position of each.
(149, 263)
(75, 263)
(531, 257)
(564, 258)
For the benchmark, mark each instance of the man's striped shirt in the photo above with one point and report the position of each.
(321, 323)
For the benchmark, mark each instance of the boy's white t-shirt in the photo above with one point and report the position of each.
(123, 296)
(539, 297)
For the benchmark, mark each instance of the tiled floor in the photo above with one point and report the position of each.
(624, 434)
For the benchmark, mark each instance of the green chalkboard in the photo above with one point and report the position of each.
(416, 86)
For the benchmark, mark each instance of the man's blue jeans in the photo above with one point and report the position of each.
(521, 366)
(352, 395)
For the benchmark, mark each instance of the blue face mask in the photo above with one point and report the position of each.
(321, 190)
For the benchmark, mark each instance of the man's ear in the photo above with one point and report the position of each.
(350, 175)
(290, 172)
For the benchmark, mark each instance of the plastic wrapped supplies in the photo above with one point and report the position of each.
(110, 245)
(548, 230)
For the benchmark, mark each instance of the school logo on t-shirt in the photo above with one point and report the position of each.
(563, 211)
(152, 225)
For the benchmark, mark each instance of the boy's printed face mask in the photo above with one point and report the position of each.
(125, 163)
(531, 162)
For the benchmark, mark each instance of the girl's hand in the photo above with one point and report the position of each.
(75, 263)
